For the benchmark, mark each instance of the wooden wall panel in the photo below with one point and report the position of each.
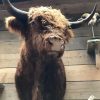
(82, 90)
(76, 73)
(80, 32)
(9, 93)
(79, 43)
(75, 91)
(8, 40)
(74, 44)
(9, 47)
(72, 9)
(66, 6)
(79, 57)
(86, 31)
(83, 79)
(6, 36)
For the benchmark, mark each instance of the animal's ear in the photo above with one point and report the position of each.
(14, 25)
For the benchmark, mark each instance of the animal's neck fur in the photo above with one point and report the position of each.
(33, 61)
(35, 51)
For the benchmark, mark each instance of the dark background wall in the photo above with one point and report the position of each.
(16, 0)
(73, 9)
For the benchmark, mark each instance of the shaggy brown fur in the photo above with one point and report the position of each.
(40, 72)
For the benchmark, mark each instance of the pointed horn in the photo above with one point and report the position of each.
(21, 15)
(77, 24)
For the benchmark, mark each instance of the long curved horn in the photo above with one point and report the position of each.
(22, 15)
(77, 24)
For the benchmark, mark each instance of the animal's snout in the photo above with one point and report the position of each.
(56, 43)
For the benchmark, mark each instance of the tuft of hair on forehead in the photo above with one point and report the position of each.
(53, 16)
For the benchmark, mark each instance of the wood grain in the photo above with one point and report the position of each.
(9, 47)
(8, 40)
(9, 93)
(7, 75)
(83, 78)
(71, 9)
(11, 43)
(73, 73)
(79, 57)
(82, 90)
(66, 6)
(97, 56)
(7, 36)
(75, 91)
(84, 31)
